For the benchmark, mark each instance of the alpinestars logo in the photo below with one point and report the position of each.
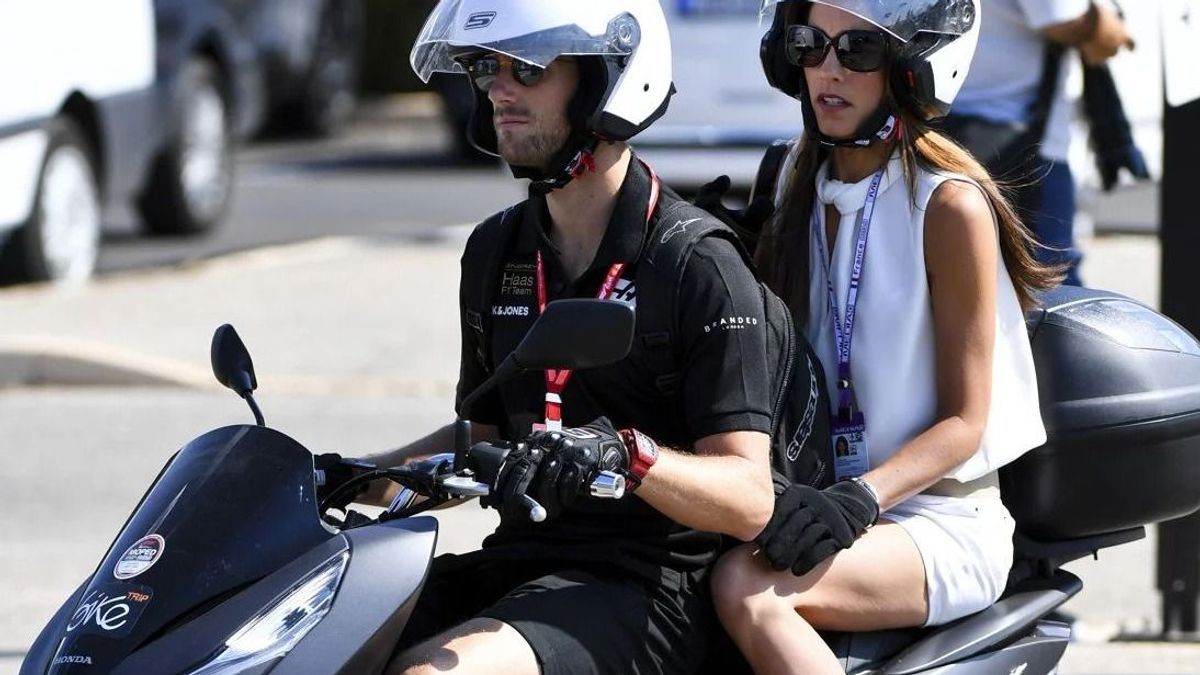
(479, 20)
(510, 310)
(677, 228)
(625, 292)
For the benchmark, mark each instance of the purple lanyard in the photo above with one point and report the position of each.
(844, 334)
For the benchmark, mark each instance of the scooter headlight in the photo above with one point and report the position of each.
(273, 633)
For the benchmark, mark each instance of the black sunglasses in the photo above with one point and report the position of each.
(862, 51)
(483, 71)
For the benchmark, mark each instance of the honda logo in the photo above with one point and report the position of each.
(480, 20)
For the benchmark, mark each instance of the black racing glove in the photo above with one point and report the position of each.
(337, 473)
(809, 525)
(747, 222)
(572, 459)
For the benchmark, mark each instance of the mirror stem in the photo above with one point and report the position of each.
(462, 443)
(258, 416)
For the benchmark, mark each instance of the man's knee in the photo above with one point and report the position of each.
(480, 645)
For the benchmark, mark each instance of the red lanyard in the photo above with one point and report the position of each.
(556, 380)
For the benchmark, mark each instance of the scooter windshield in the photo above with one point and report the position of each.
(232, 506)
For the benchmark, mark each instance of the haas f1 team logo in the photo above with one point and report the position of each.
(625, 292)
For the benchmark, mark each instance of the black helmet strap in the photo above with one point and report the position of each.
(576, 158)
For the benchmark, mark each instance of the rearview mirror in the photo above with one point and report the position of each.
(574, 334)
(231, 362)
(577, 334)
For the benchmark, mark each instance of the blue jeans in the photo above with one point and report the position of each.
(1054, 224)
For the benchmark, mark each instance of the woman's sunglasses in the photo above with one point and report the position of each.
(862, 51)
(483, 71)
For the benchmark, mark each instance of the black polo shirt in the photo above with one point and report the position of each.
(720, 347)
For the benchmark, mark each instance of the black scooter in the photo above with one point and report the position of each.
(230, 565)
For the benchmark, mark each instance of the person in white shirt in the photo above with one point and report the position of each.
(917, 315)
(1022, 42)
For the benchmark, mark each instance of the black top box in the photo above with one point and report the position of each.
(1119, 386)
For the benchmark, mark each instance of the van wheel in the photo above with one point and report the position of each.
(61, 239)
(191, 182)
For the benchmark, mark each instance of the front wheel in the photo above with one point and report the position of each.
(61, 239)
(191, 182)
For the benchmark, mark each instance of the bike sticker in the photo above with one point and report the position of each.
(110, 610)
(139, 557)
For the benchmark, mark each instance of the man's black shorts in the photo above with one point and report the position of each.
(578, 619)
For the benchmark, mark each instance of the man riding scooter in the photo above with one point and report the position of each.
(601, 585)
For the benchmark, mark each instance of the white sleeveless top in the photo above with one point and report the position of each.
(892, 363)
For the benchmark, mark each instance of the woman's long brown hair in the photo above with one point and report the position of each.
(782, 253)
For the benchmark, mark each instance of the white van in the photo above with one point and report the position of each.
(724, 113)
(76, 92)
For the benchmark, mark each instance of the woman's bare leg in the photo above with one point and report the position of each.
(877, 583)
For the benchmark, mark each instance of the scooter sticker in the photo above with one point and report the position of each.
(110, 610)
(140, 557)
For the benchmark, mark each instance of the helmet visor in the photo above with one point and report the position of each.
(532, 32)
(904, 19)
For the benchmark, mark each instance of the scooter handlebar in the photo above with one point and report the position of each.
(607, 485)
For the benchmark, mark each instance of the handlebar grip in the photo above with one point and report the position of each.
(608, 485)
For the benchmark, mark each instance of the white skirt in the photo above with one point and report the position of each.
(966, 546)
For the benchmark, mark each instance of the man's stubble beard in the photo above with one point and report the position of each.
(534, 145)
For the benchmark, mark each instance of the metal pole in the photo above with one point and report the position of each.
(1178, 554)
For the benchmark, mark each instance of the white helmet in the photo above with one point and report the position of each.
(935, 41)
(621, 92)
